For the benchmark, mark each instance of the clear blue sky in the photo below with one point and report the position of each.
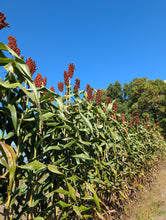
(107, 40)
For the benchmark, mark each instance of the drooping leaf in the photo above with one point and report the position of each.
(71, 191)
(34, 165)
(10, 157)
(87, 122)
(54, 169)
(77, 210)
(13, 115)
(82, 156)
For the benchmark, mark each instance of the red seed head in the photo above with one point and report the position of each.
(76, 87)
(87, 87)
(45, 81)
(32, 65)
(132, 114)
(115, 106)
(3, 24)
(126, 130)
(71, 69)
(137, 118)
(38, 80)
(53, 90)
(77, 83)
(66, 78)
(13, 45)
(89, 93)
(109, 100)
(123, 117)
(98, 97)
(131, 124)
(60, 86)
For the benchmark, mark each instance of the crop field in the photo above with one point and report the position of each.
(71, 156)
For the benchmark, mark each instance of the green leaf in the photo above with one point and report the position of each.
(3, 162)
(9, 68)
(54, 169)
(34, 165)
(71, 191)
(82, 156)
(62, 191)
(90, 187)
(63, 204)
(77, 211)
(96, 199)
(87, 122)
(10, 157)
(84, 208)
(13, 115)
(17, 85)
(9, 135)
(46, 116)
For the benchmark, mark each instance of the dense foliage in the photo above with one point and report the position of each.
(147, 97)
(67, 157)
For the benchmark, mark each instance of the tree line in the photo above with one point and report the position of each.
(142, 96)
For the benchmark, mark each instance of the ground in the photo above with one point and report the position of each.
(151, 202)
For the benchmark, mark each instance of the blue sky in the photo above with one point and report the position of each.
(107, 40)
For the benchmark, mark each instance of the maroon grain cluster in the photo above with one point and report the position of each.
(71, 69)
(32, 65)
(60, 86)
(137, 118)
(3, 24)
(76, 87)
(53, 90)
(39, 81)
(131, 123)
(123, 117)
(115, 107)
(132, 114)
(109, 100)
(89, 92)
(77, 82)
(98, 97)
(66, 78)
(13, 44)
